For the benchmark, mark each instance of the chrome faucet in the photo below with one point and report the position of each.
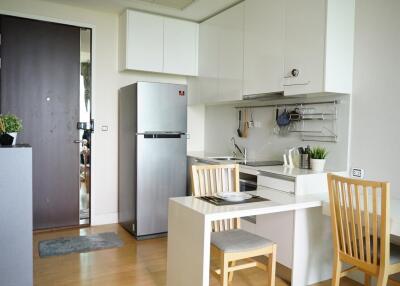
(236, 147)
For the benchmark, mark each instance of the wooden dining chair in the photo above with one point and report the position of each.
(228, 241)
(360, 218)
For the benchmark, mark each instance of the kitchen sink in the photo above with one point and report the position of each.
(225, 158)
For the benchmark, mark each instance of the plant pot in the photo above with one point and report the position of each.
(318, 164)
(6, 139)
(13, 134)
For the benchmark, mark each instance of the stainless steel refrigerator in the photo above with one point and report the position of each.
(152, 155)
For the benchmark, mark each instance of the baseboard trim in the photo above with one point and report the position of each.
(284, 272)
(104, 219)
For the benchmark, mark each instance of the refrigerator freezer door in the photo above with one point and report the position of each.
(161, 174)
(161, 107)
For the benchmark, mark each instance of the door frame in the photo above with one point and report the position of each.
(93, 80)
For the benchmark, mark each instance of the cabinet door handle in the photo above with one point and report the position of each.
(294, 84)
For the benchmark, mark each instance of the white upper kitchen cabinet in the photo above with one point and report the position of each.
(180, 47)
(144, 41)
(220, 59)
(207, 81)
(230, 71)
(318, 46)
(264, 35)
(158, 44)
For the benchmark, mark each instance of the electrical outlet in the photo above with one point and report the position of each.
(357, 173)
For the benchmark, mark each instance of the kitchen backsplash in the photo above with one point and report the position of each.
(263, 142)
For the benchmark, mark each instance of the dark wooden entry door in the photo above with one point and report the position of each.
(40, 83)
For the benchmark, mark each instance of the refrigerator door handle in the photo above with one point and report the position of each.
(162, 136)
(158, 135)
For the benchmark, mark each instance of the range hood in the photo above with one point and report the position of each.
(264, 96)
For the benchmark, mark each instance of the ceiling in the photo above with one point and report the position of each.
(177, 4)
(195, 10)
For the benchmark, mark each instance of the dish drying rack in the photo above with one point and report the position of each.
(307, 113)
(323, 133)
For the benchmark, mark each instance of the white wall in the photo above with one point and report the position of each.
(262, 143)
(106, 82)
(375, 134)
(375, 142)
(196, 127)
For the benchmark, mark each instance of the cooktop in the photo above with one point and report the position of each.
(261, 163)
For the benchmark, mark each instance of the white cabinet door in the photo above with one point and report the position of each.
(319, 46)
(221, 57)
(208, 61)
(264, 33)
(230, 76)
(305, 46)
(180, 47)
(144, 41)
(279, 227)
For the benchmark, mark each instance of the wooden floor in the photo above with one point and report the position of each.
(136, 263)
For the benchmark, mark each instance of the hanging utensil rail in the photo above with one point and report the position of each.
(290, 104)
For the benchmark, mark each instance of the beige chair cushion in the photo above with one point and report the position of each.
(238, 240)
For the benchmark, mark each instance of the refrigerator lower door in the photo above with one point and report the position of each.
(161, 174)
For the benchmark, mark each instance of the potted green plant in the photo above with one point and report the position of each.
(318, 158)
(11, 125)
(5, 139)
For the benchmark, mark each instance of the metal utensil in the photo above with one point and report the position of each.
(251, 122)
(245, 127)
(239, 131)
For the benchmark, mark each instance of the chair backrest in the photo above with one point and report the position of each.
(211, 179)
(360, 221)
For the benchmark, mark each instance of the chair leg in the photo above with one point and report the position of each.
(233, 263)
(367, 280)
(224, 270)
(271, 266)
(382, 277)
(337, 267)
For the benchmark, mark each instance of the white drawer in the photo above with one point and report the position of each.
(286, 184)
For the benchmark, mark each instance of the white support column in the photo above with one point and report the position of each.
(188, 260)
(312, 249)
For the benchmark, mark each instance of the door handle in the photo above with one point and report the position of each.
(78, 141)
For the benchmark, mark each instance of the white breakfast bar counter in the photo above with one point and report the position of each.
(296, 218)
(293, 219)
(189, 230)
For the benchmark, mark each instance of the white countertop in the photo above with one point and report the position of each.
(278, 170)
(285, 171)
(279, 202)
(203, 154)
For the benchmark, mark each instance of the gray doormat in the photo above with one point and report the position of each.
(66, 245)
